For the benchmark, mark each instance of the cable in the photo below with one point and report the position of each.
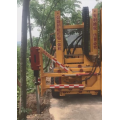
(90, 73)
(76, 45)
(65, 43)
(72, 44)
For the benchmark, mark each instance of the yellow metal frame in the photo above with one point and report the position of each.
(94, 84)
(59, 37)
(73, 26)
(94, 33)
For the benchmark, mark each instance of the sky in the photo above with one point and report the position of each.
(90, 3)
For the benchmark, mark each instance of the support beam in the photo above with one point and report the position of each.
(66, 74)
(59, 37)
(95, 31)
(73, 26)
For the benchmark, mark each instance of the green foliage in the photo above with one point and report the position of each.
(23, 110)
(19, 2)
(29, 71)
(43, 14)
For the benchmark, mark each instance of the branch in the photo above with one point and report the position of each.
(46, 20)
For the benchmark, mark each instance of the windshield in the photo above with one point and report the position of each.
(72, 37)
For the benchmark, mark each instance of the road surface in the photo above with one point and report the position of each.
(82, 107)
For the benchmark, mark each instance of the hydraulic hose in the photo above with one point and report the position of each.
(90, 75)
(65, 44)
(91, 72)
(72, 44)
(76, 45)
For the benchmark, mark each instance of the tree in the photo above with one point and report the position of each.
(23, 59)
(43, 14)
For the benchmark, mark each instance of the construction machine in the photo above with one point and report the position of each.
(77, 63)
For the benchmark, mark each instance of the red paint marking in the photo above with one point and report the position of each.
(57, 86)
(54, 59)
(66, 86)
(57, 63)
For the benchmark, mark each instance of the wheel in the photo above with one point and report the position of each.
(99, 93)
(55, 94)
(86, 33)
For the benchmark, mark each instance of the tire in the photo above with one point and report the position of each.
(99, 93)
(55, 94)
(86, 33)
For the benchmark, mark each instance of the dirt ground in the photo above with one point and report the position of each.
(45, 115)
(45, 105)
(72, 107)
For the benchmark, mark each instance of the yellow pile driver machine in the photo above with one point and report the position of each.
(77, 66)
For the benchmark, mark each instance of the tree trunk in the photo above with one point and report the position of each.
(23, 60)
(30, 28)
